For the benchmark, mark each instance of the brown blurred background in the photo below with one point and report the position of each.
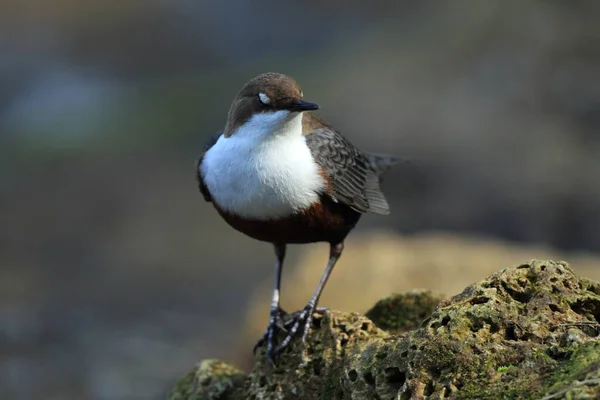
(115, 276)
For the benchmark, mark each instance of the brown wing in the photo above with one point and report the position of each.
(203, 189)
(355, 182)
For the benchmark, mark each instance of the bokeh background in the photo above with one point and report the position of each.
(116, 277)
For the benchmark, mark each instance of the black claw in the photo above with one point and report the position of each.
(300, 322)
(277, 321)
(259, 343)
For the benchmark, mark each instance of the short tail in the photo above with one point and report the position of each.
(380, 163)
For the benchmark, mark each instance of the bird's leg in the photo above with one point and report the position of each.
(276, 313)
(304, 318)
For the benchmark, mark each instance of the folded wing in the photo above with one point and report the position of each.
(355, 175)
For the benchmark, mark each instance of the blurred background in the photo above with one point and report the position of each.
(116, 277)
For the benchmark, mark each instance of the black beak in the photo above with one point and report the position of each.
(301, 105)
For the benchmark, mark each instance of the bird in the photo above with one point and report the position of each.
(280, 174)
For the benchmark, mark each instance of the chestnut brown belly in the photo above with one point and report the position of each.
(325, 221)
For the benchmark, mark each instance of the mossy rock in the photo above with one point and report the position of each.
(209, 380)
(402, 312)
(579, 376)
(528, 332)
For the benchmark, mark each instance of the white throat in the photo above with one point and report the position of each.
(264, 170)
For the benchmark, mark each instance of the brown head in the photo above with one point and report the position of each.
(267, 93)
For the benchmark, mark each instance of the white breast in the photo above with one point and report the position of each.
(264, 170)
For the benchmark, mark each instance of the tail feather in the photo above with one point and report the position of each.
(377, 202)
(380, 163)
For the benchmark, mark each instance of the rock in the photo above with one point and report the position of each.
(500, 338)
(580, 377)
(528, 332)
(209, 380)
(317, 369)
(403, 312)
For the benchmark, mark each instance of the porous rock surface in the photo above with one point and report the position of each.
(210, 379)
(530, 332)
(403, 312)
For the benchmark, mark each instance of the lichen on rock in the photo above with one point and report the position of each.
(524, 332)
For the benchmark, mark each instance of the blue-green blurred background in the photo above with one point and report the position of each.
(115, 276)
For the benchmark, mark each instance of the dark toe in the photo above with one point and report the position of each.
(259, 343)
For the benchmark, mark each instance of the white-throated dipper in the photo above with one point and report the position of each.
(279, 174)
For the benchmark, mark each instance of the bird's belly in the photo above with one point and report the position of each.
(247, 193)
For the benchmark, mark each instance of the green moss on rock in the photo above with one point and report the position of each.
(524, 332)
(403, 311)
(579, 376)
(209, 380)
(313, 372)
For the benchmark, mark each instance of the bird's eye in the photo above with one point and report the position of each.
(264, 99)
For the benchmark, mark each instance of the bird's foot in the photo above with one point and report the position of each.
(301, 320)
(277, 321)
